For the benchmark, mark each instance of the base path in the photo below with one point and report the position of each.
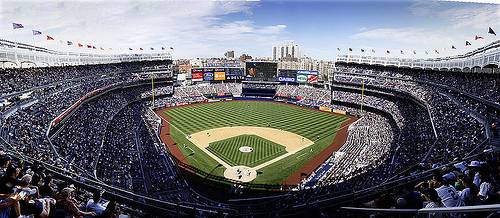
(315, 162)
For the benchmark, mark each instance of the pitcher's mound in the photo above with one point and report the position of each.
(240, 173)
(246, 149)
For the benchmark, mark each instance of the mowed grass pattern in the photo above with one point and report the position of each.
(317, 126)
(263, 150)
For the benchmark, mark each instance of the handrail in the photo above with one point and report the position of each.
(463, 209)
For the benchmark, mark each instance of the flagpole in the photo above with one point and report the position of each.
(362, 94)
(153, 88)
(15, 50)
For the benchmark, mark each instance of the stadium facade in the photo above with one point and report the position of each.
(484, 59)
(15, 55)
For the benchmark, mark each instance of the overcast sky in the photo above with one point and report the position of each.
(209, 28)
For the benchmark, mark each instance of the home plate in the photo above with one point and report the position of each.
(240, 173)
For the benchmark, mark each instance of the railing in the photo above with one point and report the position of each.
(492, 210)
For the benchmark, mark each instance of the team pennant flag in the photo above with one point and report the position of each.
(36, 32)
(388, 52)
(152, 49)
(49, 38)
(17, 26)
(130, 49)
(414, 52)
(426, 52)
(80, 45)
(89, 46)
(141, 49)
(478, 37)
(362, 50)
(102, 48)
(467, 43)
(436, 51)
(402, 52)
(373, 50)
(171, 48)
(93, 47)
(350, 49)
(338, 49)
(69, 42)
(453, 47)
(490, 31)
(162, 48)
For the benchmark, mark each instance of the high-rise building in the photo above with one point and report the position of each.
(229, 54)
(288, 50)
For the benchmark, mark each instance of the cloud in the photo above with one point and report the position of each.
(194, 28)
(409, 35)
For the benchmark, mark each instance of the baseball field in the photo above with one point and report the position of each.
(251, 141)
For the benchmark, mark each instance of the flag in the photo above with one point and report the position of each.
(162, 48)
(80, 45)
(93, 47)
(89, 46)
(467, 43)
(130, 49)
(36, 32)
(426, 52)
(414, 52)
(171, 48)
(436, 51)
(362, 50)
(402, 52)
(490, 31)
(373, 50)
(350, 49)
(141, 49)
(453, 47)
(49, 38)
(17, 26)
(388, 52)
(102, 48)
(338, 49)
(152, 49)
(69, 43)
(478, 37)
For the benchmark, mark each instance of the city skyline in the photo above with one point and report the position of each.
(210, 28)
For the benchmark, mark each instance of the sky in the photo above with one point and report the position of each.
(209, 28)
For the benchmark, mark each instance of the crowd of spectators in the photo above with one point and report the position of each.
(29, 190)
(111, 137)
(466, 183)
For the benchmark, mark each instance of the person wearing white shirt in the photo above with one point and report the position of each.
(447, 193)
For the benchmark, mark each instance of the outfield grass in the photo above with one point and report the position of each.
(263, 150)
(317, 126)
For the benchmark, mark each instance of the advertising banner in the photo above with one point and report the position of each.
(196, 75)
(286, 79)
(339, 111)
(308, 72)
(208, 76)
(312, 79)
(220, 75)
(301, 78)
(323, 108)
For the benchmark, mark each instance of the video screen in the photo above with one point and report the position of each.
(261, 71)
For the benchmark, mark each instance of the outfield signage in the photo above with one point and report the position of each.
(208, 76)
(220, 75)
(197, 75)
(307, 72)
(286, 79)
(312, 79)
(301, 78)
